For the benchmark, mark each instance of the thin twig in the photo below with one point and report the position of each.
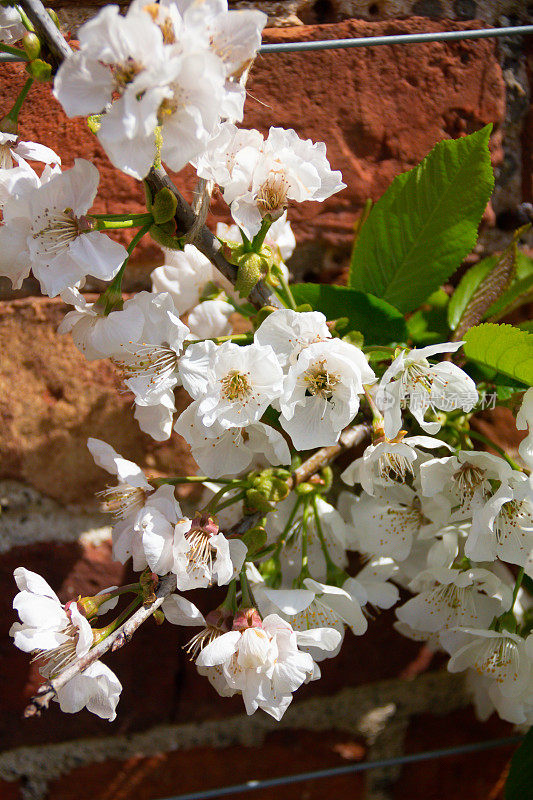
(113, 642)
(350, 437)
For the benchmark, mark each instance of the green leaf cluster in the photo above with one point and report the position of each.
(425, 224)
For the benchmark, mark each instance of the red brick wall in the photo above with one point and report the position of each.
(379, 111)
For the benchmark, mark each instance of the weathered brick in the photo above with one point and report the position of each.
(478, 776)
(282, 753)
(52, 400)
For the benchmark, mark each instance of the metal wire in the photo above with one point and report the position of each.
(252, 785)
(407, 38)
(5, 57)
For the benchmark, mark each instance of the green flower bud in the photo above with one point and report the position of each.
(250, 272)
(304, 488)
(255, 540)
(31, 45)
(262, 314)
(279, 490)
(163, 236)
(164, 206)
(39, 70)
(158, 616)
(256, 501)
(94, 123)
(303, 307)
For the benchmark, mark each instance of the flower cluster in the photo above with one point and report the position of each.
(261, 384)
(162, 78)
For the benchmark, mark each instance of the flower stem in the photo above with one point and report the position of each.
(109, 222)
(247, 598)
(259, 239)
(286, 293)
(13, 115)
(485, 439)
(323, 544)
(102, 633)
(229, 604)
(237, 338)
(14, 51)
(24, 19)
(518, 584)
(230, 501)
(304, 572)
(111, 299)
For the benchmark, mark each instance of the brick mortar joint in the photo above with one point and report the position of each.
(350, 710)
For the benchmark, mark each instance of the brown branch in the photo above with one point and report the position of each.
(350, 437)
(157, 178)
(114, 641)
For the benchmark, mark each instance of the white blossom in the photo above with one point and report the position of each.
(463, 481)
(424, 386)
(185, 275)
(448, 598)
(321, 392)
(503, 526)
(388, 522)
(210, 319)
(149, 360)
(220, 451)
(93, 333)
(136, 506)
(500, 656)
(233, 385)
(524, 421)
(203, 556)
(57, 635)
(11, 27)
(260, 176)
(263, 662)
(46, 229)
(289, 332)
(175, 66)
(388, 462)
(13, 149)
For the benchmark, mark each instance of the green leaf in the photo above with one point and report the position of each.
(466, 288)
(429, 324)
(502, 347)
(377, 320)
(475, 276)
(520, 778)
(419, 232)
(520, 292)
(526, 326)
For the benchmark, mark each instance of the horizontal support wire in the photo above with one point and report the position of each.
(9, 57)
(407, 38)
(252, 785)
